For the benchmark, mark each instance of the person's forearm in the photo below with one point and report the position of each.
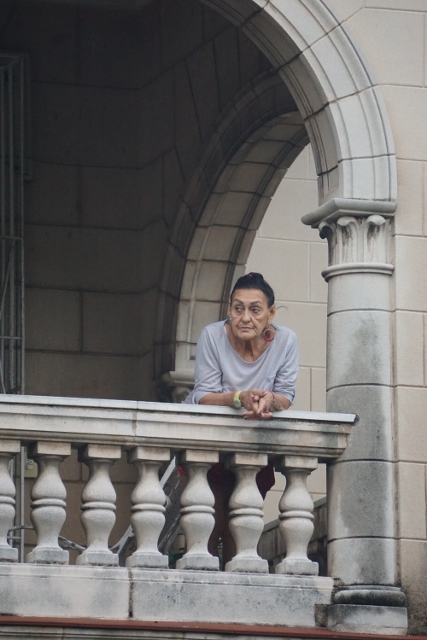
(281, 403)
(225, 399)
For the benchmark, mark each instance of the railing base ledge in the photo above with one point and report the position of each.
(191, 596)
(362, 618)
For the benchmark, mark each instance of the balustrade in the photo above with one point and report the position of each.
(150, 435)
(48, 502)
(246, 514)
(197, 512)
(296, 516)
(148, 507)
(8, 448)
(98, 504)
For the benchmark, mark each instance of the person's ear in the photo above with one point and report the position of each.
(272, 311)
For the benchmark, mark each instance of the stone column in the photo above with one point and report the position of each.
(361, 517)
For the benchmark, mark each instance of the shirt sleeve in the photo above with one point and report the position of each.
(286, 376)
(208, 373)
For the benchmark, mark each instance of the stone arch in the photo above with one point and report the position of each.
(241, 165)
(341, 109)
(338, 109)
(333, 87)
(223, 238)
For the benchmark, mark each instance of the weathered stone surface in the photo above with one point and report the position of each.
(359, 501)
(361, 291)
(364, 359)
(371, 438)
(372, 560)
(352, 618)
(64, 591)
(231, 598)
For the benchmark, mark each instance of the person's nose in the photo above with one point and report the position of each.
(246, 316)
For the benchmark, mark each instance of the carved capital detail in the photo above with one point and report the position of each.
(357, 244)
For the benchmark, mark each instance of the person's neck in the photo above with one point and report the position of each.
(249, 350)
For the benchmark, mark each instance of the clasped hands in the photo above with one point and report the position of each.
(258, 404)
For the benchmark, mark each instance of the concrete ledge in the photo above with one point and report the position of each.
(118, 593)
(358, 618)
(64, 591)
(198, 596)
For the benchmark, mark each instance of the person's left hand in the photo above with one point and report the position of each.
(251, 415)
(262, 402)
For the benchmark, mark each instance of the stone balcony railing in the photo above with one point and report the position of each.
(150, 433)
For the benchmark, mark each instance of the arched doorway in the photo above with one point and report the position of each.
(341, 112)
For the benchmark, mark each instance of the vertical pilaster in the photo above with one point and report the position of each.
(361, 535)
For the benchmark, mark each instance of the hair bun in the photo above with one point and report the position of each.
(254, 280)
(253, 275)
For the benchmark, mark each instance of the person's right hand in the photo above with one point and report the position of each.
(250, 400)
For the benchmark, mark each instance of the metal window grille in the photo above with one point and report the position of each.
(12, 134)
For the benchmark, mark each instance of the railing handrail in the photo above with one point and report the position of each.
(135, 423)
(142, 405)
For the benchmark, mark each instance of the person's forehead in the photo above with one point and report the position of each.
(249, 295)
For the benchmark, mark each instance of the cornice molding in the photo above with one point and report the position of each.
(337, 207)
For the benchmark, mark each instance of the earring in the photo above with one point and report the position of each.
(268, 334)
(229, 320)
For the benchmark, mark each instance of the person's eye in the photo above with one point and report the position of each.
(238, 309)
(255, 310)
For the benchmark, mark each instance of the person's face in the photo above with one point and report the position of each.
(249, 313)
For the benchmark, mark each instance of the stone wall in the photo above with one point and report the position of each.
(122, 100)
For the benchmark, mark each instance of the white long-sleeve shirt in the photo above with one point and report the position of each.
(219, 368)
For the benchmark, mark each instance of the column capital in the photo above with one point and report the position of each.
(357, 245)
(358, 234)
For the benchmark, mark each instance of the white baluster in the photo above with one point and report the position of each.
(296, 516)
(148, 500)
(98, 504)
(246, 514)
(197, 512)
(8, 448)
(48, 502)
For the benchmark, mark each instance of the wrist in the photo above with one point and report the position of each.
(236, 400)
(273, 403)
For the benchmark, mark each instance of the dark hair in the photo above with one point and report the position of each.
(254, 280)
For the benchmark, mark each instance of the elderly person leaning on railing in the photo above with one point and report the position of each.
(244, 362)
